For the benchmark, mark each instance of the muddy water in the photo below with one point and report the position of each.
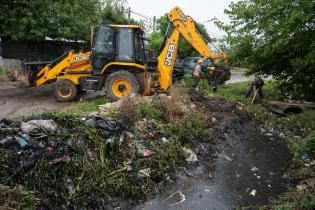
(256, 165)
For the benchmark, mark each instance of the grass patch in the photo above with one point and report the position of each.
(2, 73)
(294, 199)
(87, 106)
(192, 126)
(16, 198)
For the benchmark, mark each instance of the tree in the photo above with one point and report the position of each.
(115, 11)
(185, 49)
(275, 37)
(36, 19)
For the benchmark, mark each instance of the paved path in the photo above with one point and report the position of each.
(237, 77)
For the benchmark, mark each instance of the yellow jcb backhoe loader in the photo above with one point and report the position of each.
(118, 61)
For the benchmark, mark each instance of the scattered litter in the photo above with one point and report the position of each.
(127, 145)
(190, 156)
(42, 125)
(224, 157)
(22, 142)
(311, 163)
(186, 172)
(304, 157)
(144, 172)
(142, 151)
(151, 134)
(254, 169)
(91, 122)
(175, 199)
(7, 141)
(305, 184)
(128, 164)
(50, 149)
(107, 125)
(164, 139)
(110, 106)
(63, 159)
(253, 193)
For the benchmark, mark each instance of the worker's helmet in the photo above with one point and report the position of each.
(200, 61)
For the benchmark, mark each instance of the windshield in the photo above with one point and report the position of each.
(104, 42)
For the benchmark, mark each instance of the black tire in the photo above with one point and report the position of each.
(113, 79)
(64, 90)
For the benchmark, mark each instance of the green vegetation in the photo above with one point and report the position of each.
(1, 73)
(16, 198)
(275, 37)
(156, 39)
(295, 200)
(187, 129)
(37, 19)
(87, 106)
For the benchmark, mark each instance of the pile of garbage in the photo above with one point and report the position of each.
(71, 162)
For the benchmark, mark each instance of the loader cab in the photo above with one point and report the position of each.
(117, 43)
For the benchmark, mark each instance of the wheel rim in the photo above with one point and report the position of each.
(121, 88)
(65, 91)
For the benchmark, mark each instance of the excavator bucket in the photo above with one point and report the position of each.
(28, 72)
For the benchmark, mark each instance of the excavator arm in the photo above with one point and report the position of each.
(185, 26)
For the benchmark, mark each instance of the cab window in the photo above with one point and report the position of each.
(125, 45)
(104, 42)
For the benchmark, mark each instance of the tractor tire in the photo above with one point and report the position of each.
(120, 84)
(64, 90)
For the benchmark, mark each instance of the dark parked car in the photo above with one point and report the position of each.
(189, 64)
(178, 72)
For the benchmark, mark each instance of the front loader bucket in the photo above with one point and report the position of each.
(29, 71)
(24, 77)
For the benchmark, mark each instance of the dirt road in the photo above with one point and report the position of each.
(16, 102)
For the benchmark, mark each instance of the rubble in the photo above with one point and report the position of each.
(144, 172)
(190, 156)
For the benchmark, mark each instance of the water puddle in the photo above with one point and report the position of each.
(249, 174)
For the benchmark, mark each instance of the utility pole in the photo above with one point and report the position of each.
(154, 22)
(129, 15)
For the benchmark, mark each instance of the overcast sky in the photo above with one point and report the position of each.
(200, 10)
